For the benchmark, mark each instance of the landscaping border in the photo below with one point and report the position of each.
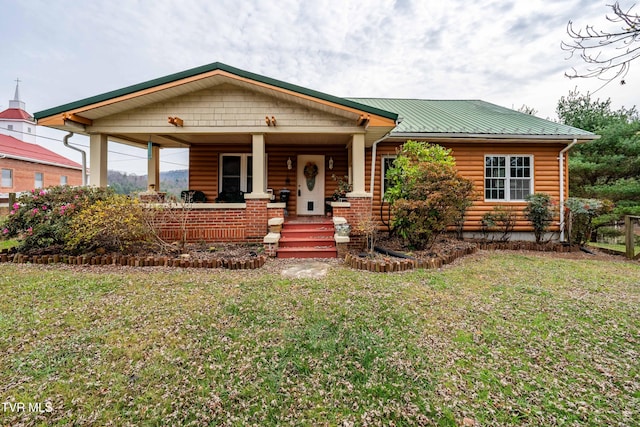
(392, 265)
(389, 265)
(135, 261)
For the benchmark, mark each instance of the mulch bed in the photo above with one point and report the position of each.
(230, 256)
(443, 251)
(236, 256)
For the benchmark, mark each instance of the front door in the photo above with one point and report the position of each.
(310, 185)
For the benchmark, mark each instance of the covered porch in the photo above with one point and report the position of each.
(251, 139)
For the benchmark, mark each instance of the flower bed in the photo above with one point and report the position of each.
(388, 264)
(443, 252)
(138, 261)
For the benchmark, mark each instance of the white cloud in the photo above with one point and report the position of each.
(503, 52)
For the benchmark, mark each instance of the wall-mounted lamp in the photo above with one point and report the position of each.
(289, 163)
(331, 163)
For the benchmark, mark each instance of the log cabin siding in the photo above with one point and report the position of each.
(204, 163)
(204, 166)
(470, 163)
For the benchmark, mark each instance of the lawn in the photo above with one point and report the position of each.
(495, 339)
(618, 248)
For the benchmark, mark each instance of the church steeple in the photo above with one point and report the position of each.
(16, 122)
(15, 102)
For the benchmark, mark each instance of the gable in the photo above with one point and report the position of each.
(85, 111)
(224, 106)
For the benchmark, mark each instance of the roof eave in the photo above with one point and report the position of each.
(422, 135)
(42, 162)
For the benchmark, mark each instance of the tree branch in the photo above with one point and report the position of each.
(608, 54)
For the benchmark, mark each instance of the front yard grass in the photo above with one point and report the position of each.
(615, 247)
(496, 339)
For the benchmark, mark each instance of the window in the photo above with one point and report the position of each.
(387, 163)
(63, 180)
(508, 178)
(235, 173)
(39, 182)
(7, 178)
(10, 127)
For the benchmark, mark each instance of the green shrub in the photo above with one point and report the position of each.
(610, 232)
(539, 211)
(581, 213)
(114, 224)
(426, 192)
(40, 219)
(500, 220)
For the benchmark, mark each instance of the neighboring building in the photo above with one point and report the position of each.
(24, 165)
(250, 136)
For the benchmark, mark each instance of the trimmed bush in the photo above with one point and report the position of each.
(426, 193)
(114, 224)
(581, 213)
(500, 220)
(539, 211)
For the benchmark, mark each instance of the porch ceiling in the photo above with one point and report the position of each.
(186, 140)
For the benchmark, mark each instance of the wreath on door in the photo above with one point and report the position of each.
(310, 172)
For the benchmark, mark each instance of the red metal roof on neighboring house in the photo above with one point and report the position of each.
(14, 148)
(15, 114)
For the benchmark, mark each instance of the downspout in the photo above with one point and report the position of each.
(65, 141)
(373, 159)
(561, 160)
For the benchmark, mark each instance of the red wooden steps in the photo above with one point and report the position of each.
(309, 237)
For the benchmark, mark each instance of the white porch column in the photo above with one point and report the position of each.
(153, 167)
(98, 144)
(258, 152)
(358, 166)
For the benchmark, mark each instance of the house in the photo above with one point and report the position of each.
(250, 137)
(24, 164)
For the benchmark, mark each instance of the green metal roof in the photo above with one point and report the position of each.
(205, 69)
(472, 117)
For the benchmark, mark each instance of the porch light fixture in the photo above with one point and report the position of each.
(331, 163)
(270, 121)
(176, 121)
(289, 163)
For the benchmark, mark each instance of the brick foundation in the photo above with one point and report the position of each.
(206, 225)
(242, 223)
(357, 209)
(256, 219)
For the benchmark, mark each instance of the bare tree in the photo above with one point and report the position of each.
(607, 53)
(525, 109)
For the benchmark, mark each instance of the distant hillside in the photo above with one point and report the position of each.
(172, 182)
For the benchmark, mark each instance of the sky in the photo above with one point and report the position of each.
(501, 51)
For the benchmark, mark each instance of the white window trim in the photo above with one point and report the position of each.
(507, 188)
(244, 173)
(382, 171)
(66, 180)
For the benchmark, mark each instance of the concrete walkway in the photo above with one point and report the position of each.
(306, 270)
